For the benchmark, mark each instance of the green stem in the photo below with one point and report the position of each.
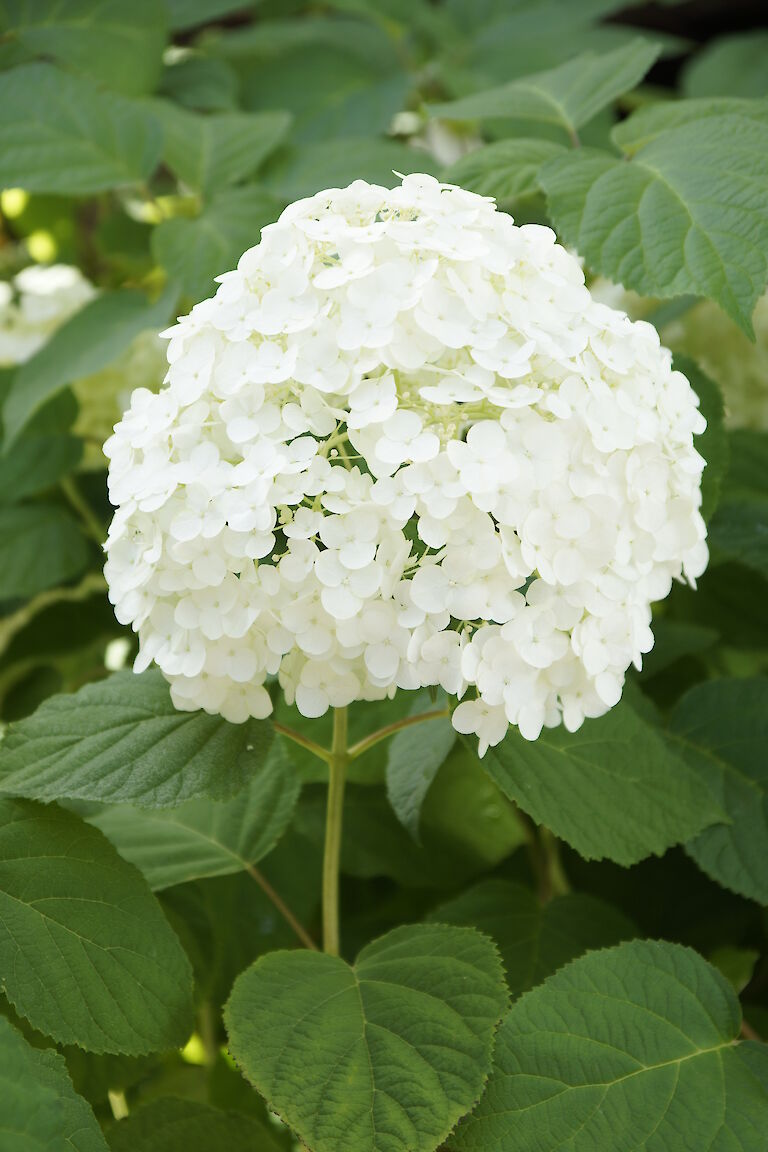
(337, 768)
(303, 742)
(281, 906)
(390, 729)
(555, 881)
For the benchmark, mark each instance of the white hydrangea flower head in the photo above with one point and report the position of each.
(34, 304)
(403, 446)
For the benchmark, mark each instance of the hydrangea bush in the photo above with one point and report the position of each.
(384, 705)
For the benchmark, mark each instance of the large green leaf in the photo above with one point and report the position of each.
(535, 939)
(59, 133)
(205, 837)
(506, 170)
(40, 545)
(170, 1125)
(86, 954)
(119, 45)
(611, 789)
(568, 96)
(730, 66)
(687, 213)
(41, 1111)
(630, 1048)
(652, 120)
(405, 1036)
(721, 728)
(91, 340)
(209, 152)
(195, 251)
(415, 755)
(121, 740)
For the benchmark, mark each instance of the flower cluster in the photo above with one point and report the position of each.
(403, 446)
(34, 304)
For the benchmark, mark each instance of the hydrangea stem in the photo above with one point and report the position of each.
(337, 770)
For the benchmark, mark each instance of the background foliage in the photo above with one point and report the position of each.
(605, 894)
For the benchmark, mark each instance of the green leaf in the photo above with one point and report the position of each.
(467, 825)
(633, 1047)
(415, 754)
(202, 83)
(687, 214)
(739, 531)
(121, 740)
(535, 939)
(713, 442)
(91, 340)
(336, 163)
(40, 545)
(115, 44)
(736, 964)
(204, 837)
(41, 1111)
(721, 728)
(61, 134)
(86, 954)
(611, 789)
(497, 41)
(195, 251)
(406, 1033)
(748, 470)
(674, 639)
(507, 170)
(35, 463)
(169, 1125)
(653, 119)
(568, 96)
(730, 66)
(338, 77)
(210, 152)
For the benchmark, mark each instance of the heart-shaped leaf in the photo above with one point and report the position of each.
(384, 1056)
(632, 1048)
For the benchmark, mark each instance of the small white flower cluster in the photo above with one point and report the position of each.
(34, 304)
(403, 446)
